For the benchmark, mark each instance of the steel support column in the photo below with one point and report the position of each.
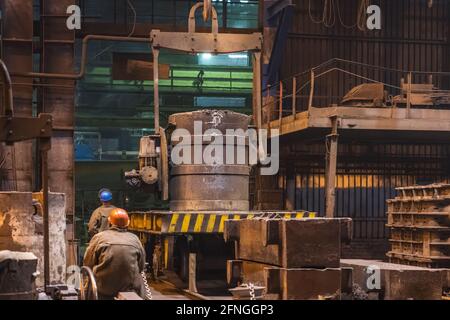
(257, 98)
(17, 49)
(290, 191)
(330, 169)
(57, 98)
(193, 272)
(156, 88)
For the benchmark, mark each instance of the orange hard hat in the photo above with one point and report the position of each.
(119, 218)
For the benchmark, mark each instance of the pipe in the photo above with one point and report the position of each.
(156, 88)
(79, 75)
(7, 89)
(257, 98)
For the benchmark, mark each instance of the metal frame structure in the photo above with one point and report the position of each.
(371, 123)
(215, 43)
(183, 222)
(194, 42)
(19, 128)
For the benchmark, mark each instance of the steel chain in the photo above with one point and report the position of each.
(148, 292)
(252, 291)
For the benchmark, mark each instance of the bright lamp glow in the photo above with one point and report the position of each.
(237, 56)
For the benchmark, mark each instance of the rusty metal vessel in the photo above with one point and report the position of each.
(203, 185)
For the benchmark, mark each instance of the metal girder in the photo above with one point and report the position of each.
(213, 42)
(15, 129)
(57, 56)
(17, 54)
(206, 42)
(196, 222)
(422, 123)
(331, 164)
(142, 29)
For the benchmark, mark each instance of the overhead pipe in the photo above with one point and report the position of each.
(79, 75)
(7, 90)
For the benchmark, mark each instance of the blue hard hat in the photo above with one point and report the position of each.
(105, 196)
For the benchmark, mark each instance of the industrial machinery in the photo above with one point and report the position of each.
(14, 129)
(418, 219)
(18, 270)
(414, 95)
(17, 274)
(188, 239)
(148, 175)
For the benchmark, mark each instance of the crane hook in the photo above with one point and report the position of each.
(207, 9)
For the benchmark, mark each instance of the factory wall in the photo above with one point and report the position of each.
(367, 175)
(413, 37)
(53, 53)
(21, 229)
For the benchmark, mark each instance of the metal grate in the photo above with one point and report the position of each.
(367, 176)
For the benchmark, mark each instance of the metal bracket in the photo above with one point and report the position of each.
(14, 129)
(213, 42)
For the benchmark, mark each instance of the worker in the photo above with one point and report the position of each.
(99, 218)
(198, 82)
(116, 258)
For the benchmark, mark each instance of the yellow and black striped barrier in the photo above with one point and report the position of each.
(202, 222)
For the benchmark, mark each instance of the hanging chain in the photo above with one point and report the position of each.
(252, 291)
(155, 261)
(148, 292)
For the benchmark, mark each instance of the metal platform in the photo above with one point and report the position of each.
(171, 222)
(368, 123)
(359, 124)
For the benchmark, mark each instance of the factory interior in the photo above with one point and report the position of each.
(225, 150)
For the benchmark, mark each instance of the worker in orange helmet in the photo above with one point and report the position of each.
(116, 258)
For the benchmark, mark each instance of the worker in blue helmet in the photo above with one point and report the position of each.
(99, 218)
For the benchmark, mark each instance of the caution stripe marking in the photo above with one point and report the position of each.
(198, 223)
(211, 221)
(173, 222)
(214, 223)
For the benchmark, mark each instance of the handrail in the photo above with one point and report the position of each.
(360, 64)
(311, 82)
